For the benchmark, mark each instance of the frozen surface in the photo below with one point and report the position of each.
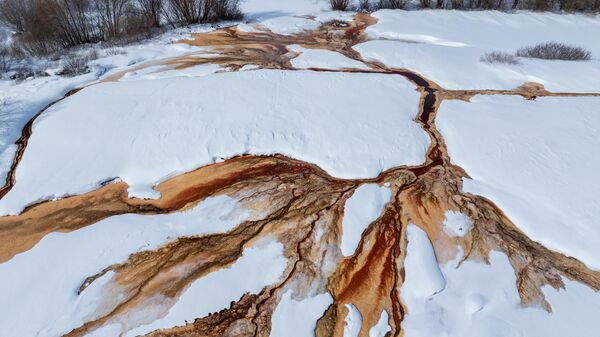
(473, 306)
(441, 44)
(362, 208)
(259, 266)
(150, 130)
(320, 58)
(424, 278)
(382, 327)
(537, 161)
(352, 322)
(160, 72)
(298, 318)
(64, 260)
(457, 224)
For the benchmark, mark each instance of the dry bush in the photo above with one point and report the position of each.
(499, 57)
(4, 60)
(555, 51)
(339, 5)
(392, 4)
(76, 64)
(364, 5)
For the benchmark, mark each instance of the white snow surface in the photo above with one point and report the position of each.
(382, 327)
(424, 278)
(320, 58)
(441, 44)
(362, 208)
(457, 224)
(43, 281)
(146, 131)
(537, 160)
(472, 305)
(298, 318)
(260, 265)
(352, 322)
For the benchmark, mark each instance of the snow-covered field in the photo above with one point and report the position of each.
(442, 45)
(474, 299)
(150, 130)
(537, 160)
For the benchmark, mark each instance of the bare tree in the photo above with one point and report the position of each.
(111, 14)
(151, 10)
(19, 14)
(392, 4)
(339, 5)
(72, 21)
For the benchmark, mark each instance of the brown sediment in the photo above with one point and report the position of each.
(296, 200)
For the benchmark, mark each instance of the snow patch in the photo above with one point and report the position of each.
(362, 208)
(382, 327)
(352, 322)
(293, 318)
(457, 224)
(64, 260)
(146, 131)
(535, 160)
(259, 266)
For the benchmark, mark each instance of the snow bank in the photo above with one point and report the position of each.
(43, 281)
(352, 322)
(472, 306)
(424, 278)
(537, 161)
(320, 58)
(441, 44)
(294, 318)
(259, 266)
(382, 327)
(362, 208)
(146, 131)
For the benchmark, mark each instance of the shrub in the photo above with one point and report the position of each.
(499, 57)
(364, 5)
(339, 5)
(76, 64)
(392, 4)
(3, 60)
(555, 51)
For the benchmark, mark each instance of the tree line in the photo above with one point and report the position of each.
(539, 5)
(45, 26)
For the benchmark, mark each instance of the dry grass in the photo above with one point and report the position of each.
(499, 57)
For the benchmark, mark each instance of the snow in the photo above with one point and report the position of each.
(326, 59)
(473, 306)
(424, 278)
(382, 327)
(352, 322)
(457, 224)
(160, 72)
(150, 130)
(362, 208)
(19, 102)
(298, 318)
(259, 266)
(288, 25)
(535, 160)
(260, 9)
(440, 45)
(64, 260)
